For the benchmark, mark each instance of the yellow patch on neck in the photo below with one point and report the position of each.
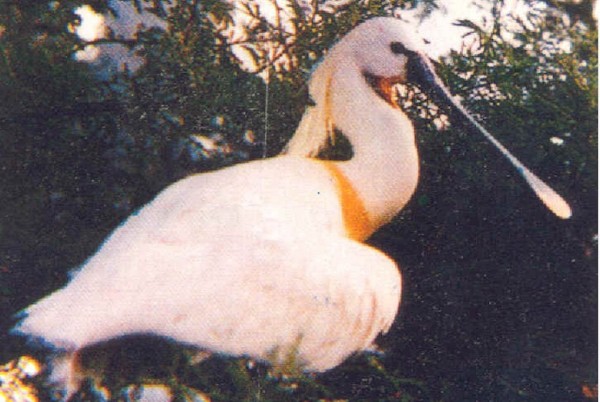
(356, 218)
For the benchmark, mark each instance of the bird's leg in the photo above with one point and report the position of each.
(375, 349)
(65, 375)
(286, 361)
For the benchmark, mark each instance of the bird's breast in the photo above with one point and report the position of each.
(356, 220)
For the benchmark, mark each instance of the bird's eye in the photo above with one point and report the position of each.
(398, 48)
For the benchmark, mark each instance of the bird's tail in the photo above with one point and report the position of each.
(50, 322)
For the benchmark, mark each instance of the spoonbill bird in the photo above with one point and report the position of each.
(266, 259)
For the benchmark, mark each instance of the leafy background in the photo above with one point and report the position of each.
(500, 297)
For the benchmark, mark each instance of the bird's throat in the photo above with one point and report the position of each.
(384, 87)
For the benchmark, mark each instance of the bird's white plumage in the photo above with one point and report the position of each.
(266, 271)
(266, 275)
(262, 259)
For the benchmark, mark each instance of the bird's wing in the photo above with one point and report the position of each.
(321, 298)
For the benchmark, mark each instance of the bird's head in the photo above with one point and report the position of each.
(380, 47)
(387, 52)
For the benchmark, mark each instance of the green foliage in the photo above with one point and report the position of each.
(44, 129)
(138, 361)
(500, 297)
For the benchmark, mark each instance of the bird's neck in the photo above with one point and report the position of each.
(384, 168)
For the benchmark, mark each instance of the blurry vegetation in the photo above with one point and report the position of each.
(500, 296)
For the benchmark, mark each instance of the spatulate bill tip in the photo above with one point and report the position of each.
(551, 199)
(563, 210)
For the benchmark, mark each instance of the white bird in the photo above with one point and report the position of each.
(266, 259)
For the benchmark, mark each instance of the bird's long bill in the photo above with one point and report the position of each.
(422, 72)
